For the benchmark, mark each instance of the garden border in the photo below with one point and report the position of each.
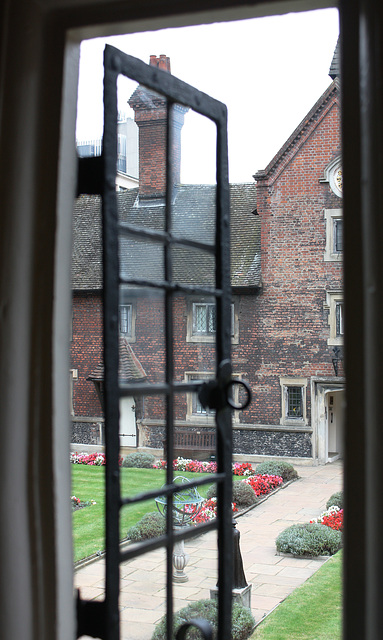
(124, 543)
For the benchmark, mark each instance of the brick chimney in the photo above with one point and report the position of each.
(150, 110)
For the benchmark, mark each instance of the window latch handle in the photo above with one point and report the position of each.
(216, 395)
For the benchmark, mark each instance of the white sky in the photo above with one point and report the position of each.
(268, 71)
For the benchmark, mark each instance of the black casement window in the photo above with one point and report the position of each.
(294, 402)
(143, 259)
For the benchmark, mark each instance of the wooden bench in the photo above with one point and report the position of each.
(188, 443)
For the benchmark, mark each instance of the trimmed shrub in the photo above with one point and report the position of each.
(243, 494)
(139, 460)
(151, 525)
(242, 621)
(309, 539)
(336, 500)
(211, 492)
(277, 468)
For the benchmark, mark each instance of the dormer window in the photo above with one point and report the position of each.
(127, 321)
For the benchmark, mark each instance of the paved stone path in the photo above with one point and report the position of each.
(273, 577)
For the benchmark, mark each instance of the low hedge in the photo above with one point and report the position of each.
(309, 539)
(336, 500)
(277, 468)
(242, 621)
(243, 493)
(139, 460)
(151, 525)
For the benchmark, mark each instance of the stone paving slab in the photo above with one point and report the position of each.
(273, 577)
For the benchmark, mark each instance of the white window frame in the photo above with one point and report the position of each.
(192, 335)
(332, 216)
(286, 384)
(333, 300)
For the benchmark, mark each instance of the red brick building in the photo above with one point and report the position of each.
(287, 311)
(300, 312)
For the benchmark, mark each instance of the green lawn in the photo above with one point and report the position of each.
(88, 484)
(312, 612)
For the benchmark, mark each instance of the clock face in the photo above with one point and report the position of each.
(336, 180)
(339, 179)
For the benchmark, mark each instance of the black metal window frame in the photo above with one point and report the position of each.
(101, 619)
(294, 404)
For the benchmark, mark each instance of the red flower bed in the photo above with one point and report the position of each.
(242, 469)
(208, 511)
(93, 459)
(332, 518)
(263, 484)
(335, 520)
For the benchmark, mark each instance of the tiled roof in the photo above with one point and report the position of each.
(193, 218)
(129, 370)
(334, 71)
(86, 246)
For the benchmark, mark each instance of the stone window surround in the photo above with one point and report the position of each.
(191, 336)
(331, 215)
(285, 384)
(208, 418)
(332, 298)
(73, 375)
(330, 176)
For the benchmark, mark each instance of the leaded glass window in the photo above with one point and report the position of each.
(294, 402)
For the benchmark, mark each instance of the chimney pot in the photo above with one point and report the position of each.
(150, 111)
(162, 62)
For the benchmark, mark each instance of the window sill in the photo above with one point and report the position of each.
(198, 339)
(293, 422)
(335, 342)
(333, 257)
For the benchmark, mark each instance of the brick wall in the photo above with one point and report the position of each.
(291, 322)
(86, 350)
